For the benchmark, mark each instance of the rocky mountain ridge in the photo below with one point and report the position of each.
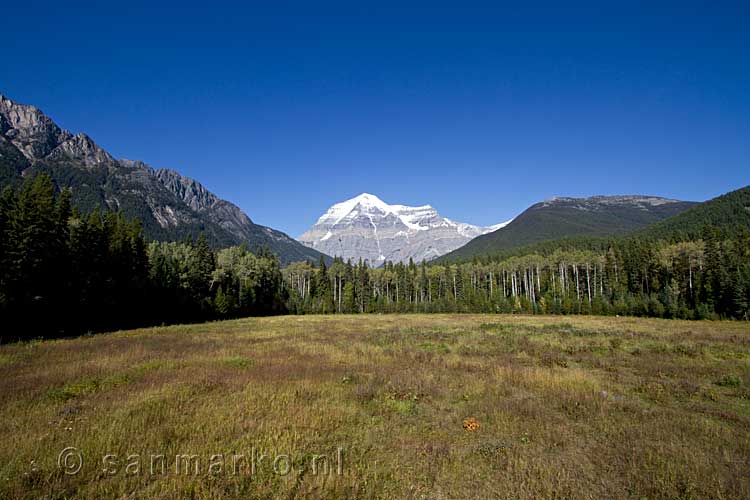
(170, 205)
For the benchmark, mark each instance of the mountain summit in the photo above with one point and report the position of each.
(366, 227)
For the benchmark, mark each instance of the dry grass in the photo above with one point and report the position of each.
(566, 408)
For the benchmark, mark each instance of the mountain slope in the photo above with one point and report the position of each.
(729, 211)
(169, 205)
(572, 217)
(366, 227)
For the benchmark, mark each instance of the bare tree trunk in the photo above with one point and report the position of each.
(532, 290)
(617, 277)
(552, 279)
(595, 281)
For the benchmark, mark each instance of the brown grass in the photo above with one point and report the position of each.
(566, 408)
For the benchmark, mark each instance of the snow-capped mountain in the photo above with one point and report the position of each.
(366, 227)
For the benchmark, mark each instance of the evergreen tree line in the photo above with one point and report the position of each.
(65, 273)
(704, 278)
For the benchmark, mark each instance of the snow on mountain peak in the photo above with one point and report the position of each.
(369, 204)
(341, 210)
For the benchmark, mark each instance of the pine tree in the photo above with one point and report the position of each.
(324, 294)
(222, 303)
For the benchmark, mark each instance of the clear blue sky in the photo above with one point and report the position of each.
(479, 110)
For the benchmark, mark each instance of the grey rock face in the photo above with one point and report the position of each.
(203, 201)
(365, 227)
(190, 191)
(30, 130)
(81, 147)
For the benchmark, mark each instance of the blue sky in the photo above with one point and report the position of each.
(477, 109)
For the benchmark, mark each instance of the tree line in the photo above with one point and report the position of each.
(639, 276)
(63, 272)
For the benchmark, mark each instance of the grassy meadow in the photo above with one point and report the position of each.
(374, 406)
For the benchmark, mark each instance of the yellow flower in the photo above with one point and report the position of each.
(471, 424)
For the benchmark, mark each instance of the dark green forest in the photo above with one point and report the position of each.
(63, 272)
(706, 278)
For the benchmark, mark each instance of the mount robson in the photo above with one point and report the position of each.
(367, 228)
(170, 206)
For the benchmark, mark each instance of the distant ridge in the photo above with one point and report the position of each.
(564, 217)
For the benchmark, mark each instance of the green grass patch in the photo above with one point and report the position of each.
(729, 381)
(441, 347)
(7, 359)
(87, 386)
(238, 362)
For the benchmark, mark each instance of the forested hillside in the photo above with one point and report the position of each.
(730, 211)
(571, 217)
